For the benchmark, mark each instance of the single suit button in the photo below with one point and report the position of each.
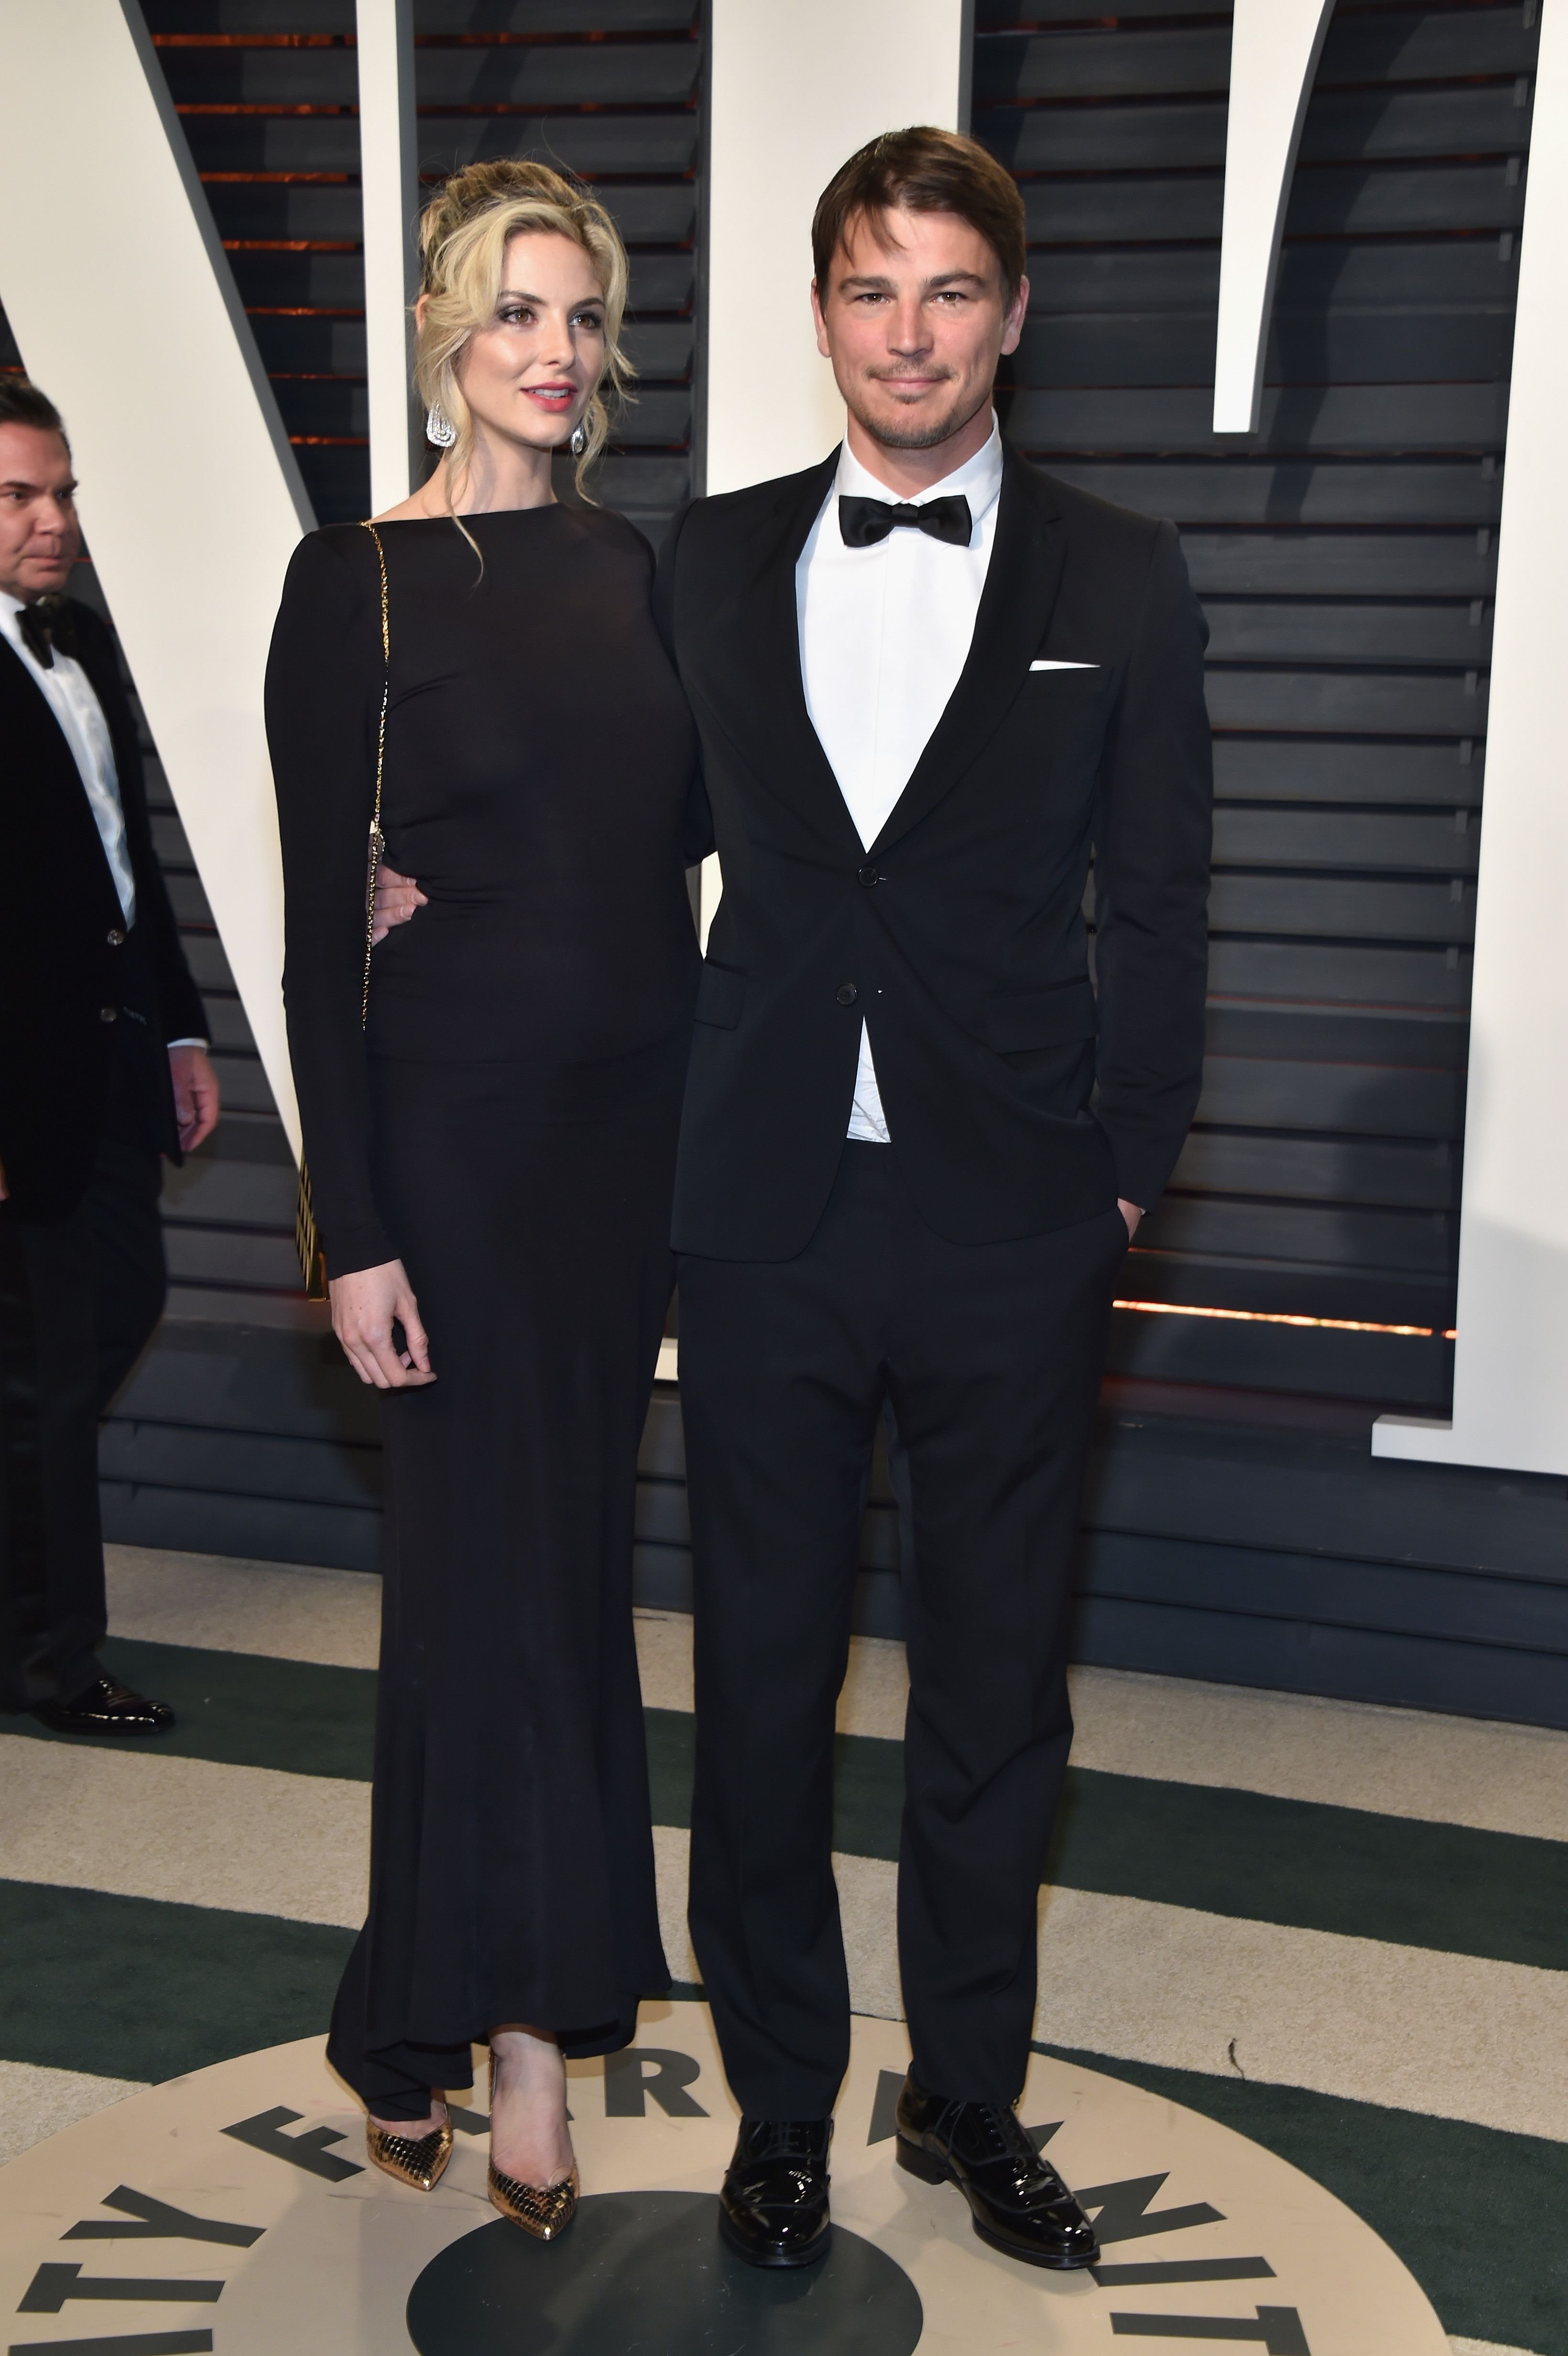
(869, 875)
(116, 937)
(847, 993)
(109, 1014)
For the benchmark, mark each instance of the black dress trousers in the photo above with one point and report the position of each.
(79, 1299)
(990, 1356)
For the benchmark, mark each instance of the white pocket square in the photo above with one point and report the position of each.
(1064, 666)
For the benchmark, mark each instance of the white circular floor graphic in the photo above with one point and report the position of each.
(232, 2211)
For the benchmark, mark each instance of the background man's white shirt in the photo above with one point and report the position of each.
(884, 633)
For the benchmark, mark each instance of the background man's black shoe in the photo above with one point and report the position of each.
(107, 1707)
(773, 2210)
(1020, 2205)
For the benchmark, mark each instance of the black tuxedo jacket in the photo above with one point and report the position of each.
(1020, 1094)
(64, 953)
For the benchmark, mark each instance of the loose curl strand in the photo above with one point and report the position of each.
(463, 233)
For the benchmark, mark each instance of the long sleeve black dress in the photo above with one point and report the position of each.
(505, 1125)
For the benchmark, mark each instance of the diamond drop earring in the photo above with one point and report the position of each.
(579, 438)
(438, 427)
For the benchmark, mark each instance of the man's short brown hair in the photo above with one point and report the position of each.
(927, 171)
(22, 403)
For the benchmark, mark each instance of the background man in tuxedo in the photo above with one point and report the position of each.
(930, 681)
(103, 1067)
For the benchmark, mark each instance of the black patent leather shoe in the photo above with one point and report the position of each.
(773, 2210)
(107, 1707)
(1020, 2205)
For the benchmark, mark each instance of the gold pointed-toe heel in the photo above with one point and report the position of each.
(543, 2210)
(417, 2161)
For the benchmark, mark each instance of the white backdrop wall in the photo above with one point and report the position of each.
(1274, 49)
(794, 92)
(389, 173)
(124, 310)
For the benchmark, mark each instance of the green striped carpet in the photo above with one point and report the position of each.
(1342, 1931)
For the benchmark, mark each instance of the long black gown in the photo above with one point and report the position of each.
(505, 1125)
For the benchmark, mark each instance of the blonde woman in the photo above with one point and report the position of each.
(489, 1126)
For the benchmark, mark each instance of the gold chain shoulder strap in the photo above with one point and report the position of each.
(307, 1243)
(378, 839)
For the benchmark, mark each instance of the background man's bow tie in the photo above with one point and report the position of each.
(45, 626)
(863, 523)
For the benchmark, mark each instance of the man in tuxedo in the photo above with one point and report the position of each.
(920, 1127)
(103, 1067)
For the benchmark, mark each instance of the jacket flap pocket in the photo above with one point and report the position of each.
(1017, 1019)
(721, 994)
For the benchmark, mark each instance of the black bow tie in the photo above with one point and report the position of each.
(863, 523)
(44, 627)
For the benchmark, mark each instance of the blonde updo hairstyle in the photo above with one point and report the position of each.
(463, 233)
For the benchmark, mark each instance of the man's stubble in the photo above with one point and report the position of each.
(919, 437)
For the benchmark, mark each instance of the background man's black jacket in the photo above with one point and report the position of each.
(959, 937)
(64, 954)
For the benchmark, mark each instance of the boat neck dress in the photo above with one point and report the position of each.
(505, 1123)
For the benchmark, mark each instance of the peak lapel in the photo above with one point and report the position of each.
(41, 783)
(780, 740)
(1021, 582)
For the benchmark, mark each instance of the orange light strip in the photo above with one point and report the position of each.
(1279, 1317)
(253, 41)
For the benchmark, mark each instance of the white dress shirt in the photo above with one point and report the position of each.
(884, 633)
(68, 692)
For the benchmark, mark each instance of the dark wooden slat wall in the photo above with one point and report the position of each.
(268, 97)
(1235, 1526)
(1346, 558)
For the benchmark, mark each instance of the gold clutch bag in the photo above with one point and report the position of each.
(307, 1243)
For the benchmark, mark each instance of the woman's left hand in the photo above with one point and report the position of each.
(397, 897)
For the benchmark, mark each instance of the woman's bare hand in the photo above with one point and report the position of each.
(397, 897)
(364, 1306)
